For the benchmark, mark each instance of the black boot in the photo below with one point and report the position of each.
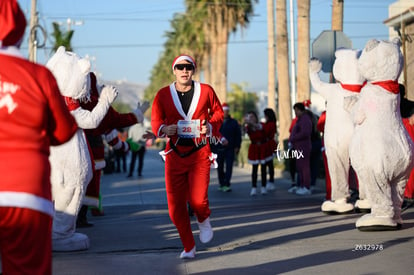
(82, 220)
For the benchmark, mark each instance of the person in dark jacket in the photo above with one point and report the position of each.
(300, 138)
(227, 149)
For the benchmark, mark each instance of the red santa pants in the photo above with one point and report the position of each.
(25, 241)
(409, 188)
(327, 177)
(186, 180)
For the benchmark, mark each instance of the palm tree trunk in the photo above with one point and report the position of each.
(303, 91)
(337, 15)
(271, 80)
(221, 57)
(282, 60)
(222, 65)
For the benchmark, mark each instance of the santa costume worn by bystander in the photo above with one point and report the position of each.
(33, 116)
(106, 128)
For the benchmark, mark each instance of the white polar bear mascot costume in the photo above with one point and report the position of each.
(338, 126)
(71, 164)
(381, 150)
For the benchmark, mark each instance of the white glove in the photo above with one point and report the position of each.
(143, 107)
(140, 110)
(315, 65)
(108, 94)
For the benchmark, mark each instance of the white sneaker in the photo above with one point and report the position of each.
(253, 192)
(303, 191)
(293, 189)
(263, 190)
(270, 186)
(188, 255)
(206, 232)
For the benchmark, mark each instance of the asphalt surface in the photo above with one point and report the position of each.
(277, 233)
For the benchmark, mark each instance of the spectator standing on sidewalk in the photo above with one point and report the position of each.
(270, 132)
(33, 116)
(136, 134)
(257, 151)
(189, 113)
(300, 138)
(227, 149)
(119, 154)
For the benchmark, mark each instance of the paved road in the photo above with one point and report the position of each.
(279, 233)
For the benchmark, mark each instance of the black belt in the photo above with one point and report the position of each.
(186, 154)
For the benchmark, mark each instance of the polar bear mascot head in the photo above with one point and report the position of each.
(381, 60)
(71, 73)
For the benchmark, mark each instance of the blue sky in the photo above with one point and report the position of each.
(124, 38)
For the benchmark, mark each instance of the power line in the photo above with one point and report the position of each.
(151, 45)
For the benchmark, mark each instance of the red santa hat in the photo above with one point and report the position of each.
(183, 57)
(225, 106)
(307, 103)
(12, 22)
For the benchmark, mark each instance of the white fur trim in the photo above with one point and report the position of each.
(111, 135)
(160, 133)
(90, 201)
(194, 101)
(11, 51)
(181, 58)
(26, 200)
(100, 164)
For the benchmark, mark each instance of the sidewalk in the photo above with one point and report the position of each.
(279, 233)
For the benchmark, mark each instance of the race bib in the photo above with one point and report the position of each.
(188, 128)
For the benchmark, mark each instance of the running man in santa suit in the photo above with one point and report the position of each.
(33, 116)
(189, 113)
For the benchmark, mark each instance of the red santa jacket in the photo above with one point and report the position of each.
(205, 105)
(33, 116)
(112, 120)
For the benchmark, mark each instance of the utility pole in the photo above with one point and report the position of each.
(32, 36)
(292, 54)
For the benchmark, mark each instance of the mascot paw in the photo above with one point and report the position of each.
(315, 65)
(340, 206)
(363, 206)
(76, 242)
(109, 93)
(370, 222)
(140, 110)
(143, 107)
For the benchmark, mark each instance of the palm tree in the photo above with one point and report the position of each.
(271, 71)
(284, 98)
(303, 82)
(61, 38)
(337, 15)
(224, 16)
(203, 32)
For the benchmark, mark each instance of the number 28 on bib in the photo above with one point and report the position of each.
(189, 128)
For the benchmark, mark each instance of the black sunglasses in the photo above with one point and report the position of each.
(188, 67)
